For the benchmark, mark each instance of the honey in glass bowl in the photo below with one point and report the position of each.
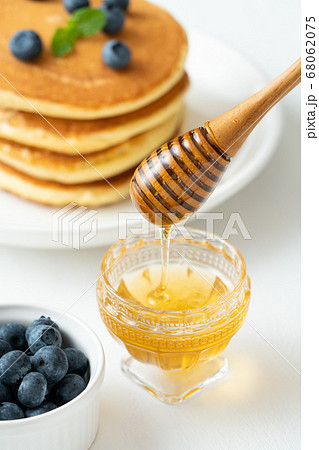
(175, 340)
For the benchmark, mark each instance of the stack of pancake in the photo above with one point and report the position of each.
(73, 129)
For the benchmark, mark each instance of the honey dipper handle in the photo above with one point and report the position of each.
(231, 129)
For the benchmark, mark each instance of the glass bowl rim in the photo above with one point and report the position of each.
(209, 237)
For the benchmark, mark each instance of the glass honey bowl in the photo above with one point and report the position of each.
(174, 353)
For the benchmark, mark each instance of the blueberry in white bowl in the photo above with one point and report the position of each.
(5, 347)
(43, 335)
(14, 334)
(10, 411)
(5, 393)
(77, 361)
(71, 416)
(67, 389)
(32, 390)
(52, 362)
(14, 366)
(37, 411)
(41, 321)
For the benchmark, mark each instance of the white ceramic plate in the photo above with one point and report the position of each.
(220, 79)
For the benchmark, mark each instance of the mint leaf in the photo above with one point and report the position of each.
(84, 22)
(88, 21)
(63, 41)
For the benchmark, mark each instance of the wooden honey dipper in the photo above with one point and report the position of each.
(177, 178)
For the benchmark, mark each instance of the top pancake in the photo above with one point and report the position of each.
(80, 85)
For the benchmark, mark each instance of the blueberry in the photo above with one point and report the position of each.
(14, 366)
(50, 390)
(70, 387)
(5, 393)
(78, 362)
(14, 394)
(116, 54)
(32, 390)
(73, 5)
(45, 407)
(10, 411)
(52, 362)
(42, 335)
(25, 45)
(119, 3)
(41, 321)
(115, 18)
(14, 333)
(5, 347)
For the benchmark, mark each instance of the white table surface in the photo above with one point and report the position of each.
(258, 406)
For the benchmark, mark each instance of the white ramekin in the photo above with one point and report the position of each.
(72, 426)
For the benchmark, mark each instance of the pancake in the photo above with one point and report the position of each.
(80, 85)
(57, 194)
(89, 135)
(68, 169)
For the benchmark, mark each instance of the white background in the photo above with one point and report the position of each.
(310, 246)
(258, 406)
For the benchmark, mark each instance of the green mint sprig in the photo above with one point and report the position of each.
(84, 22)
